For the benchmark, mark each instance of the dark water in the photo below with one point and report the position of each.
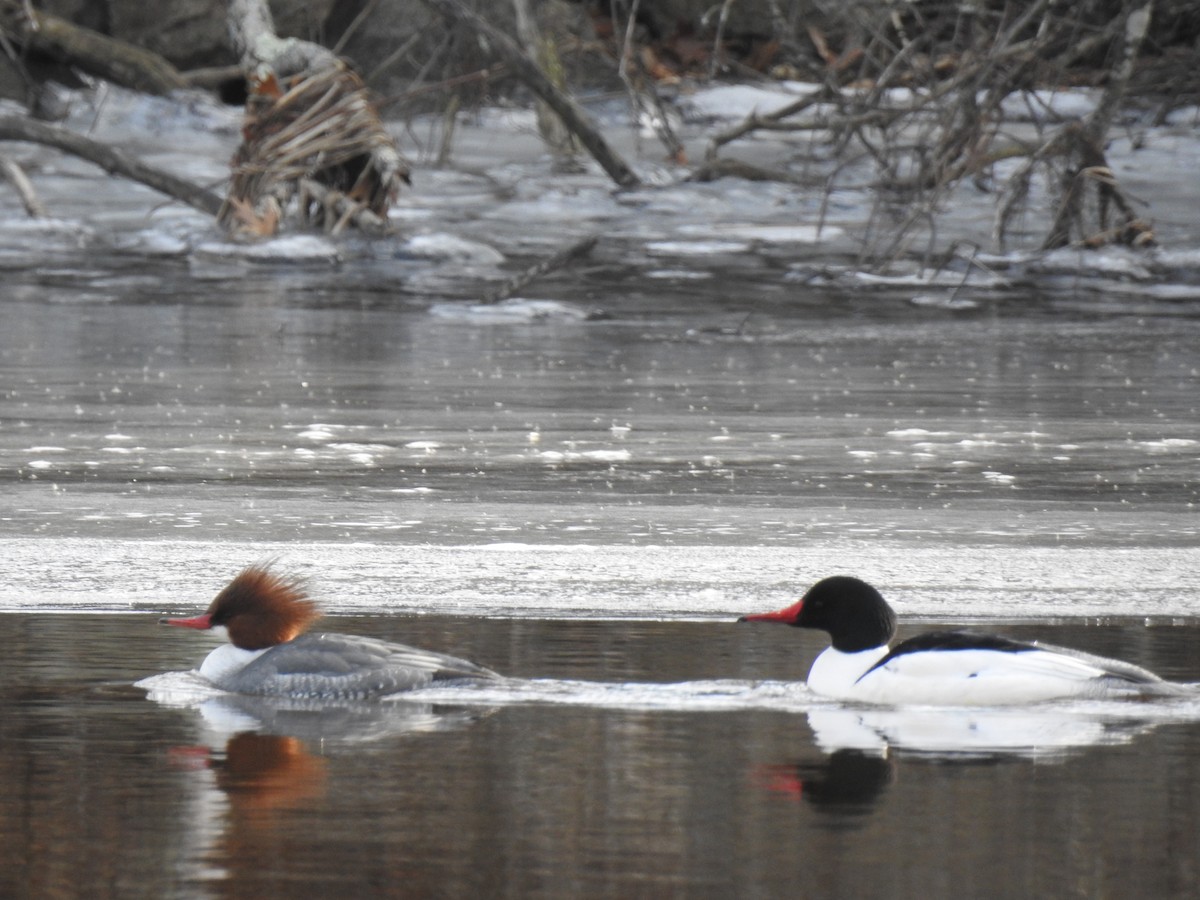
(107, 794)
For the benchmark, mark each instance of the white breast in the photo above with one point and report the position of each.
(226, 660)
(835, 674)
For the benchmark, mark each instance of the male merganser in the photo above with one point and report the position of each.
(946, 668)
(264, 615)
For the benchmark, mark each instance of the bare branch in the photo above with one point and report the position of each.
(116, 162)
(16, 176)
(576, 120)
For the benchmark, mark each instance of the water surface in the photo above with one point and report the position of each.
(741, 785)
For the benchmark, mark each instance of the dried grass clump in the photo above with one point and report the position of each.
(318, 140)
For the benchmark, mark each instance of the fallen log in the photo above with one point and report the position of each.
(113, 60)
(116, 162)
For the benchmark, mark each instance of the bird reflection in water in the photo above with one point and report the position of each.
(261, 773)
(850, 783)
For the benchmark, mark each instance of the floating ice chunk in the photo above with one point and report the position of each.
(317, 433)
(1166, 445)
(679, 274)
(771, 234)
(451, 248)
(610, 456)
(354, 447)
(1110, 261)
(297, 248)
(516, 310)
(916, 433)
(998, 477)
(696, 248)
(944, 301)
(157, 243)
(607, 455)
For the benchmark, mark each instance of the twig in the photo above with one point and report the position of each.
(645, 102)
(719, 39)
(563, 257)
(351, 29)
(24, 188)
(573, 117)
(345, 211)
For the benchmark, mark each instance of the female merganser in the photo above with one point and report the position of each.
(946, 668)
(264, 616)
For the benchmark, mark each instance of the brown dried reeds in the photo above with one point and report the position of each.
(315, 140)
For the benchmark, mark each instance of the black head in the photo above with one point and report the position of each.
(853, 613)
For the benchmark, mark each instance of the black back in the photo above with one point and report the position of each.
(954, 640)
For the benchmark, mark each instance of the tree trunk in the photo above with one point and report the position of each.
(110, 59)
(576, 120)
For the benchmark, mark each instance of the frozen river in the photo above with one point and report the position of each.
(684, 455)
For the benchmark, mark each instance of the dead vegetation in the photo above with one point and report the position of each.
(936, 103)
(929, 106)
(316, 143)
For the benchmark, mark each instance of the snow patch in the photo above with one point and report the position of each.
(450, 247)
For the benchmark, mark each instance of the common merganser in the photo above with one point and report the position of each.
(264, 616)
(945, 668)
